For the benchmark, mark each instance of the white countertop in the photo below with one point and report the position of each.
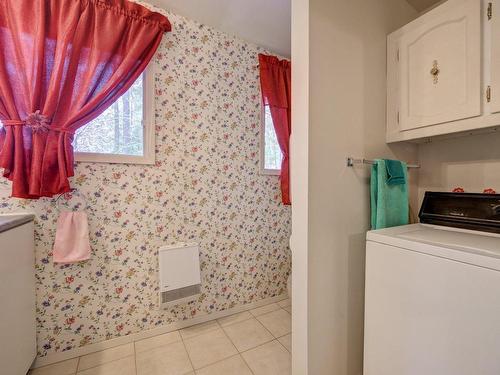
(9, 221)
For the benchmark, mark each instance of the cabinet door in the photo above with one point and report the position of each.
(440, 66)
(494, 40)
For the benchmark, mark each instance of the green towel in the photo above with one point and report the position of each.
(389, 203)
(395, 172)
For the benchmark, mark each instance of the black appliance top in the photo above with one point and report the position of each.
(462, 210)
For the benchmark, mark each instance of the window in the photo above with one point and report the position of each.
(124, 133)
(271, 155)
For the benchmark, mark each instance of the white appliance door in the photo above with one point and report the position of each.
(429, 315)
(17, 296)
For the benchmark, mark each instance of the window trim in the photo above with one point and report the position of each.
(263, 170)
(148, 123)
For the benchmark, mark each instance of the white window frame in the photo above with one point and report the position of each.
(263, 170)
(148, 123)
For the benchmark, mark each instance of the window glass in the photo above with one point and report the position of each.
(272, 152)
(119, 130)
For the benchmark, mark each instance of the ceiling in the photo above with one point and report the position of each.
(263, 22)
(421, 5)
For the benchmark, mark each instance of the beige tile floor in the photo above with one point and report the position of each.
(255, 342)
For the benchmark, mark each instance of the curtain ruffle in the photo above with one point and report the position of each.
(133, 11)
(62, 64)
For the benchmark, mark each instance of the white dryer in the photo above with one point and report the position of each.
(432, 303)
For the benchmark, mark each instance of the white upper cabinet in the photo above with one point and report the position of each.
(440, 65)
(493, 39)
(440, 68)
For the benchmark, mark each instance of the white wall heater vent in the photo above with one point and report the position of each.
(180, 279)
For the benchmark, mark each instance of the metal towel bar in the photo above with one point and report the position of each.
(352, 161)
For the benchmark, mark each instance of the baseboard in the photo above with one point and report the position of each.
(92, 348)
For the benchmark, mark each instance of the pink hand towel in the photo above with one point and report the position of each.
(72, 238)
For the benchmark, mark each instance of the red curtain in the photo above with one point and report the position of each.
(276, 86)
(63, 63)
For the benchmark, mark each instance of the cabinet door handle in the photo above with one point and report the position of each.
(435, 71)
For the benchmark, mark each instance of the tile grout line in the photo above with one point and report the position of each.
(161, 346)
(196, 335)
(258, 346)
(222, 360)
(135, 357)
(239, 353)
(239, 321)
(283, 307)
(246, 363)
(272, 335)
(289, 333)
(187, 352)
(229, 338)
(269, 312)
(286, 334)
(257, 320)
(77, 365)
(276, 338)
(279, 342)
(103, 363)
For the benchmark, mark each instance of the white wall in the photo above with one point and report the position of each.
(471, 162)
(346, 115)
(299, 180)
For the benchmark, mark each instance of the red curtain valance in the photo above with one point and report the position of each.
(275, 81)
(63, 63)
(276, 87)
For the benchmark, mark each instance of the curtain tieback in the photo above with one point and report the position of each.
(37, 122)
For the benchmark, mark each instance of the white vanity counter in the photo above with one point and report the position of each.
(14, 220)
(17, 293)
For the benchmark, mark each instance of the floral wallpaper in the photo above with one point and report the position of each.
(205, 187)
